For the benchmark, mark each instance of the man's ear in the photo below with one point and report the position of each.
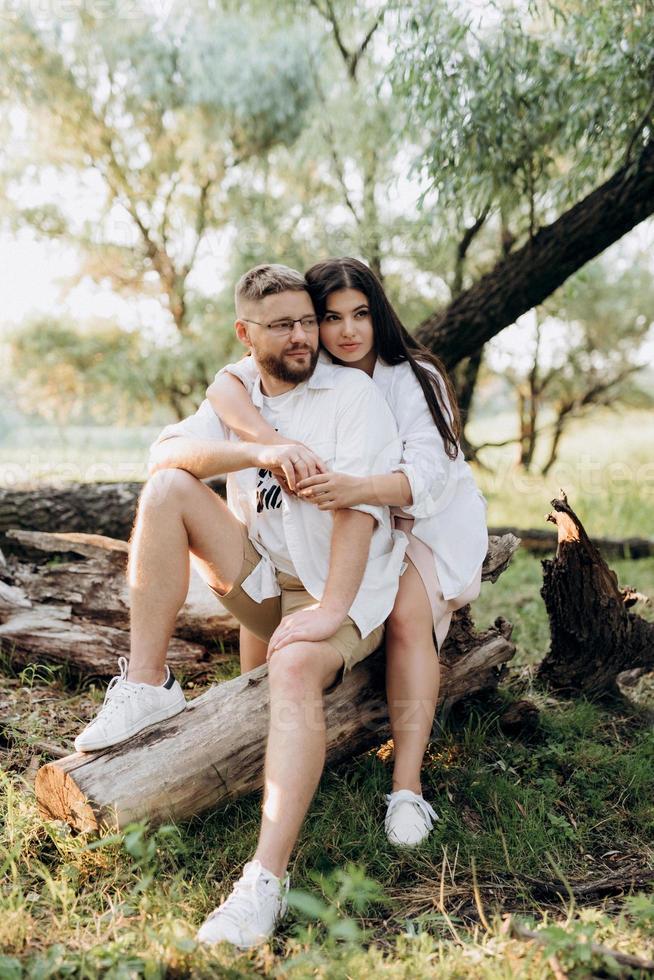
(242, 332)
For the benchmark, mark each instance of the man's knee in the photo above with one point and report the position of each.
(295, 667)
(167, 487)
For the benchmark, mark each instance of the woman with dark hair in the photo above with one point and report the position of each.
(432, 495)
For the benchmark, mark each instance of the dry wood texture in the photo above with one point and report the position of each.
(77, 610)
(594, 636)
(214, 750)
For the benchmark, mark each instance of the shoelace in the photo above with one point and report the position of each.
(407, 795)
(118, 691)
(245, 897)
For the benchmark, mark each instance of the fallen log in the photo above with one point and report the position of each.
(539, 542)
(88, 508)
(76, 610)
(213, 752)
(105, 508)
(594, 636)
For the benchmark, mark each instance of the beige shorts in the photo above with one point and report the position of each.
(263, 618)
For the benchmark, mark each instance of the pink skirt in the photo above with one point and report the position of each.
(421, 556)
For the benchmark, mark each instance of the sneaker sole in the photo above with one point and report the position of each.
(161, 715)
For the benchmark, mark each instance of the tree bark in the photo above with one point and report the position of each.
(213, 752)
(91, 508)
(594, 636)
(76, 612)
(101, 508)
(526, 277)
(540, 542)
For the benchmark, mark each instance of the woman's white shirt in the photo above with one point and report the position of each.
(448, 509)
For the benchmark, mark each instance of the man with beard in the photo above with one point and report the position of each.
(316, 585)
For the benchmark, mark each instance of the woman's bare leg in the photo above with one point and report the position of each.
(252, 650)
(412, 678)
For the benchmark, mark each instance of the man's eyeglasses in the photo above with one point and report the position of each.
(281, 327)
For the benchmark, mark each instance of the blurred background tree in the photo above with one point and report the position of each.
(583, 349)
(477, 163)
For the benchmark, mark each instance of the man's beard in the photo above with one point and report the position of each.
(291, 373)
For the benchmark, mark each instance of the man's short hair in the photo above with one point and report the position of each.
(267, 280)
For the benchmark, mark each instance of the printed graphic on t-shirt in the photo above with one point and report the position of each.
(269, 492)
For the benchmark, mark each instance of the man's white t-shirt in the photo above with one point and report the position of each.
(269, 522)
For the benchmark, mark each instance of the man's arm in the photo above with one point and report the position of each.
(200, 445)
(202, 457)
(348, 556)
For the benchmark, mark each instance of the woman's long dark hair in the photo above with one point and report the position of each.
(393, 343)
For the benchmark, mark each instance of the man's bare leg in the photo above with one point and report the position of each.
(295, 754)
(252, 650)
(177, 514)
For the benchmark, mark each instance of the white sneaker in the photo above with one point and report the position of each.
(129, 708)
(249, 915)
(409, 818)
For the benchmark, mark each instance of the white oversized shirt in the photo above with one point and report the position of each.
(449, 510)
(342, 415)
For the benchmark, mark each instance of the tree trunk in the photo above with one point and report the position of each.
(104, 508)
(213, 752)
(525, 278)
(76, 612)
(540, 542)
(91, 508)
(594, 636)
(465, 381)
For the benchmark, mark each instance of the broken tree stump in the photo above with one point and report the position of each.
(540, 542)
(594, 637)
(214, 750)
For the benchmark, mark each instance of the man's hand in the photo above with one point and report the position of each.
(295, 460)
(333, 491)
(311, 624)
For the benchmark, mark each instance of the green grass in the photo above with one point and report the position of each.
(525, 822)
(93, 454)
(571, 803)
(605, 467)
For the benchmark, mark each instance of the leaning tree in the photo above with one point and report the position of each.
(535, 134)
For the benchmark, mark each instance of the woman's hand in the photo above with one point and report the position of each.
(293, 461)
(332, 491)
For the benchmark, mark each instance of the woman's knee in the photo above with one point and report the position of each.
(408, 625)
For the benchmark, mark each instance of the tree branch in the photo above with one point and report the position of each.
(350, 58)
(464, 244)
(523, 279)
(356, 57)
(200, 225)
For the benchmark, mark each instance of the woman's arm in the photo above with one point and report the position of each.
(332, 491)
(233, 406)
